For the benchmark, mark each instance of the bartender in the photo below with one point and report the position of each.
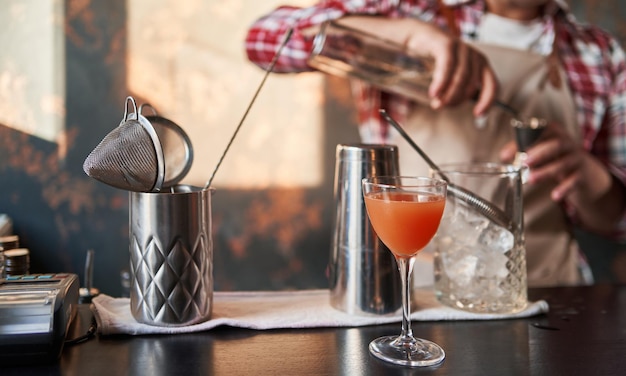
(530, 54)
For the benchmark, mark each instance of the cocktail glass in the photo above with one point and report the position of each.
(405, 212)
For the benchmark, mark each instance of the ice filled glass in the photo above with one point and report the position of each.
(479, 265)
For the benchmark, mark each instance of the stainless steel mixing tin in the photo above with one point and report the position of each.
(364, 278)
(171, 256)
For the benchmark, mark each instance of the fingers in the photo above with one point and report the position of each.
(462, 81)
(488, 92)
(565, 187)
(461, 72)
(555, 158)
(557, 169)
(443, 71)
(552, 144)
(507, 153)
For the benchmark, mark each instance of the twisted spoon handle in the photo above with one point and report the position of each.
(486, 208)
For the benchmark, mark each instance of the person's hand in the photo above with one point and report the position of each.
(461, 72)
(554, 157)
(580, 179)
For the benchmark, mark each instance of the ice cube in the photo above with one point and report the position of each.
(497, 238)
(460, 265)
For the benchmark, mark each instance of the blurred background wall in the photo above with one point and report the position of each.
(66, 67)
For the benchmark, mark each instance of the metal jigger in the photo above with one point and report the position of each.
(527, 132)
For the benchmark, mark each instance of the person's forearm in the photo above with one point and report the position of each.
(397, 30)
(265, 34)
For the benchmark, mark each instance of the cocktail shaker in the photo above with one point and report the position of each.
(364, 277)
(346, 52)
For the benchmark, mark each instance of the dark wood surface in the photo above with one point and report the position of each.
(583, 334)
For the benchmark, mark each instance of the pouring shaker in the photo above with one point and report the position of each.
(364, 278)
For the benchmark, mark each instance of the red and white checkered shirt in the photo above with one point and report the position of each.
(594, 62)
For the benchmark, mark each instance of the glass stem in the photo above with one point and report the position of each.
(405, 266)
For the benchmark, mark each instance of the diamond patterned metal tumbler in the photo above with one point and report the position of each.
(171, 256)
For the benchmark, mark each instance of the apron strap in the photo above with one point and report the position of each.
(554, 61)
(448, 14)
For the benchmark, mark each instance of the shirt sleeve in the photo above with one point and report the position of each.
(597, 72)
(615, 125)
(266, 34)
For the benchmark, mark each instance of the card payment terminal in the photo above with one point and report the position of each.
(35, 314)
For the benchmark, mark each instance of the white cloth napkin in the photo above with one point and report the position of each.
(285, 309)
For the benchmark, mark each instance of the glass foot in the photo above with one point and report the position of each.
(412, 352)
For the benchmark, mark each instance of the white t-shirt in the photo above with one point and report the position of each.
(505, 32)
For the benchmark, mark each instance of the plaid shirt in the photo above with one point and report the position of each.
(593, 61)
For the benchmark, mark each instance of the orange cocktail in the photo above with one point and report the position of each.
(405, 222)
(405, 212)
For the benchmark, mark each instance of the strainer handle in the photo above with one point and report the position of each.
(132, 101)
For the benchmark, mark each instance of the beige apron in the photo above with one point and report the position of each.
(452, 135)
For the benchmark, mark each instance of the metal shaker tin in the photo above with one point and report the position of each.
(171, 256)
(364, 278)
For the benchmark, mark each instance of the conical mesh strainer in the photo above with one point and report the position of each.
(129, 155)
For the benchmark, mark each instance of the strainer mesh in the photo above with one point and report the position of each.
(126, 158)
